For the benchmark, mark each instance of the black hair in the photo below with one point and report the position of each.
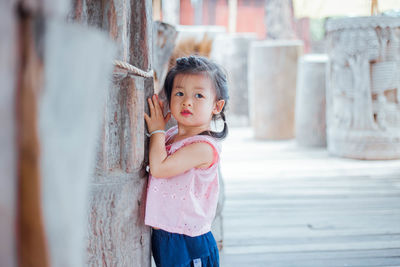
(198, 65)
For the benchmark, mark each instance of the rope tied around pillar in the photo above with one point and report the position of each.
(133, 69)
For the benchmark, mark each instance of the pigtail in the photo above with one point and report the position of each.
(218, 135)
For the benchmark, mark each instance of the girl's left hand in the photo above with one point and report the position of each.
(156, 120)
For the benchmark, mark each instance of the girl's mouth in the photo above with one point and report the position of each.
(186, 113)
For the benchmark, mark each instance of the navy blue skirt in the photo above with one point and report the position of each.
(178, 250)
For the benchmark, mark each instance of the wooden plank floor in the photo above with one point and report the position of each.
(290, 206)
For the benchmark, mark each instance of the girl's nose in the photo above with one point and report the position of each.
(187, 101)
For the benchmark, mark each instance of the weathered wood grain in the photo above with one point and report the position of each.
(117, 235)
(141, 34)
(164, 36)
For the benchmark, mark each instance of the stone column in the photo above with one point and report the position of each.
(363, 110)
(310, 100)
(231, 51)
(272, 87)
(117, 235)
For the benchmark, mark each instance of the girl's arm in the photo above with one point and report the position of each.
(191, 156)
(196, 155)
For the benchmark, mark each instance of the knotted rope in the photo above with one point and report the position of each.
(133, 69)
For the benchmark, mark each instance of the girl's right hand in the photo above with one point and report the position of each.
(156, 120)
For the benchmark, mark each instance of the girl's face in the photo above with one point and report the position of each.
(193, 100)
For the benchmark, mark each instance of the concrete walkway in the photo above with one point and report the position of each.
(290, 206)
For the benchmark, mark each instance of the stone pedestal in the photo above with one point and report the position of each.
(363, 110)
(272, 87)
(310, 101)
(231, 52)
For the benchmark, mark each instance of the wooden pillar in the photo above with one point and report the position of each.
(163, 46)
(117, 234)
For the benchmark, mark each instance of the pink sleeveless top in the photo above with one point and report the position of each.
(185, 203)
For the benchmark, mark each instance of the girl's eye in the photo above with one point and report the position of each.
(199, 96)
(179, 94)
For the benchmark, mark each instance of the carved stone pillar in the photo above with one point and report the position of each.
(310, 101)
(363, 110)
(272, 87)
(231, 51)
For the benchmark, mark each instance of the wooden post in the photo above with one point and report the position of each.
(163, 46)
(117, 234)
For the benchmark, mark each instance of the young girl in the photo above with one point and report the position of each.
(183, 184)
